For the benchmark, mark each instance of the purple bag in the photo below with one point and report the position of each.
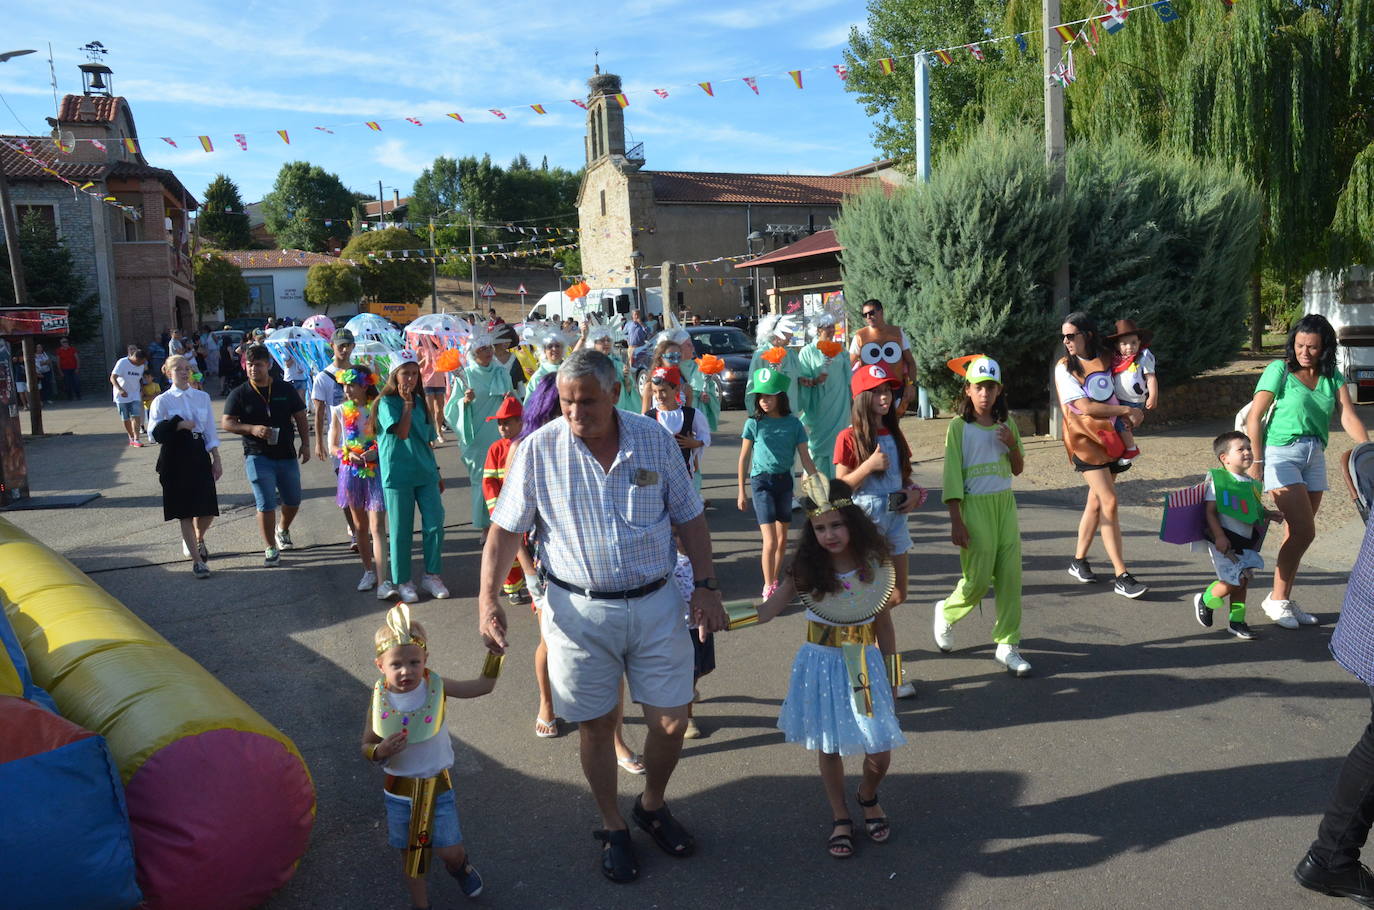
(1185, 516)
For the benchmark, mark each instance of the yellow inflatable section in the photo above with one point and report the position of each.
(221, 802)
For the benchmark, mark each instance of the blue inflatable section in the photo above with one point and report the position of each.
(65, 839)
(30, 689)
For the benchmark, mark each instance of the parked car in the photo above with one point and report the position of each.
(736, 349)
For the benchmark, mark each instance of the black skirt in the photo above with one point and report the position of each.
(188, 486)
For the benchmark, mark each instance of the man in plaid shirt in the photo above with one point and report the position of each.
(604, 490)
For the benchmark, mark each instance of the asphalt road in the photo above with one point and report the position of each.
(1145, 763)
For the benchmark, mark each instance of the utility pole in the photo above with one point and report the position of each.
(922, 118)
(381, 205)
(1054, 158)
(21, 299)
(433, 271)
(472, 260)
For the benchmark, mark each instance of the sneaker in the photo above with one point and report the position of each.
(271, 557)
(284, 541)
(135, 443)
(200, 570)
(944, 631)
(1127, 586)
(769, 589)
(1202, 611)
(905, 690)
(1010, 657)
(519, 598)
(368, 581)
(1302, 616)
(468, 880)
(1130, 454)
(1240, 630)
(203, 551)
(693, 731)
(385, 590)
(433, 585)
(1281, 612)
(406, 591)
(1080, 569)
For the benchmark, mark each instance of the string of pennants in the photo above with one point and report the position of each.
(1084, 30)
(48, 167)
(425, 256)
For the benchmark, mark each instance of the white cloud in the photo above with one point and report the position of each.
(397, 155)
(834, 36)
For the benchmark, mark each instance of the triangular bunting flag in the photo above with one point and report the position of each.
(662, 93)
(945, 57)
(842, 71)
(87, 185)
(206, 144)
(885, 65)
(538, 108)
(706, 87)
(622, 100)
(1066, 33)
(976, 51)
(458, 117)
(98, 144)
(796, 77)
(131, 146)
(374, 125)
(1022, 44)
(581, 104)
(242, 140)
(285, 137)
(169, 141)
(1166, 10)
(498, 114)
(325, 129)
(752, 83)
(414, 120)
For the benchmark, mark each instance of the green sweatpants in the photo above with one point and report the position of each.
(993, 557)
(400, 516)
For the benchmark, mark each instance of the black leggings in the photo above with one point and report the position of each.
(1345, 826)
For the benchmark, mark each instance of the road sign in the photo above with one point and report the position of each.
(521, 290)
(488, 290)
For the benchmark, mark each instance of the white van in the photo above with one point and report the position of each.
(1346, 299)
(606, 302)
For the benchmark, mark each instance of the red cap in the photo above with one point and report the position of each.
(509, 408)
(870, 376)
(669, 374)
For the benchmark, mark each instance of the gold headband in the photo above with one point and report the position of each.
(817, 489)
(398, 621)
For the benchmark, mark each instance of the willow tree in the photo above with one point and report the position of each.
(1282, 90)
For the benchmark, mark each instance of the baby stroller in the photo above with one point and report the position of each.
(1358, 466)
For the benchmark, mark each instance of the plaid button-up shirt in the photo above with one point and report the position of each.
(601, 530)
(1352, 644)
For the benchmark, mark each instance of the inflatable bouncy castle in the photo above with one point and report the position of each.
(98, 713)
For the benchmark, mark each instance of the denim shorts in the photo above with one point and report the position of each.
(892, 525)
(268, 476)
(128, 410)
(772, 497)
(1301, 461)
(445, 832)
(1120, 423)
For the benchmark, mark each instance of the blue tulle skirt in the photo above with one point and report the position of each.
(819, 713)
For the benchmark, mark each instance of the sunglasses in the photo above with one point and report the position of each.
(868, 314)
(1072, 335)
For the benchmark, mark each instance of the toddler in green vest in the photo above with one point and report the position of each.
(1235, 524)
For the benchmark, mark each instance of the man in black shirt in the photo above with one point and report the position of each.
(268, 413)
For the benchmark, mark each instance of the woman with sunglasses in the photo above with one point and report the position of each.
(1083, 383)
(876, 342)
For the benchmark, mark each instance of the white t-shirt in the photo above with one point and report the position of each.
(985, 471)
(700, 429)
(424, 759)
(1130, 382)
(326, 388)
(131, 375)
(295, 372)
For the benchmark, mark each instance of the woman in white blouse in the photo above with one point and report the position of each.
(189, 464)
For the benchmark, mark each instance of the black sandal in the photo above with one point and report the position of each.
(617, 856)
(878, 829)
(841, 846)
(666, 831)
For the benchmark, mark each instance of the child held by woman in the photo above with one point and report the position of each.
(1133, 377)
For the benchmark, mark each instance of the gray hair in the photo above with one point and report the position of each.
(586, 362)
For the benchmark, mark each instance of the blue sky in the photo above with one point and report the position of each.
(252, 67)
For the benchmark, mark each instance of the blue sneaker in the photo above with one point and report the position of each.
(468, 879)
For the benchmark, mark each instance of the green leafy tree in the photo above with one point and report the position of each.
(50, 279)
(219, 286)
(222, 220)
(331, 284)
(398, 280)
(303, 198)
(965, 263)
(437, 190)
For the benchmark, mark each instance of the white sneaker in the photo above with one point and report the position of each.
(905, 690)
(944, 631)
(368, 581)
(1302, 616)
(1010, 657)
(284, 541)
(1281, 612)
(385, 590)
(433, 585)
(406, 591)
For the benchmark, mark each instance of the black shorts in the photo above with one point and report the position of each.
(1082, 466)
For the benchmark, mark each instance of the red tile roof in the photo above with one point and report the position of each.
(776, 189)
(818, 243)
(19, 166)
(102, 109)
(274, 259)
(388, 205)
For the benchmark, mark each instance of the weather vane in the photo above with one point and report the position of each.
(94, 51)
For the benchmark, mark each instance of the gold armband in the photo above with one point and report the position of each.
(893, 662)
(739, 614)
(370, 751)
(491, 667)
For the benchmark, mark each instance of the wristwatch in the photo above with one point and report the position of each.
(709, 584)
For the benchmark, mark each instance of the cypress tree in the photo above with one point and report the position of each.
(223, 222)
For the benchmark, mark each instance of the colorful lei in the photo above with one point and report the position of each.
(355, 441)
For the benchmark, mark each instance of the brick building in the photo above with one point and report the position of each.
(633, 219)
(138, 265)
